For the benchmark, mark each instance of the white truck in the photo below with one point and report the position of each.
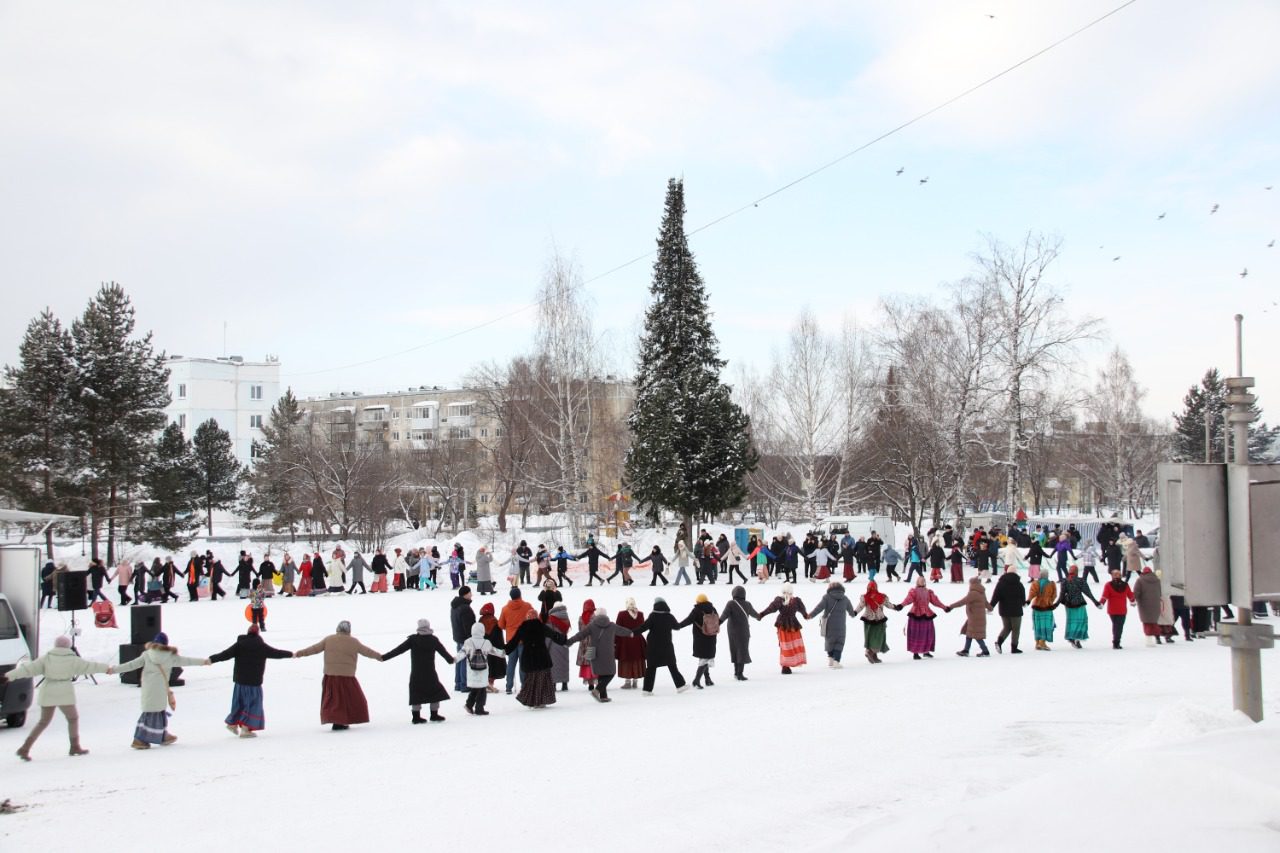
(19, 627)
(858, 526)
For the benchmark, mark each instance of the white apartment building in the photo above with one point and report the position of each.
(238, 394)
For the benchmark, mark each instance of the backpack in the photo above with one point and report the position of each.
(710, 624)
(477, 660)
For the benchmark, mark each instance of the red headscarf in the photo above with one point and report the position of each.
(588, 610)
(874, 597)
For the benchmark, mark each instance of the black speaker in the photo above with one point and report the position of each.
(128, 653)
(144, 623)
(72, 592)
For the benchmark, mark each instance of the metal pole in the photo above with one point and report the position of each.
(1246, 663)
(1208, 435)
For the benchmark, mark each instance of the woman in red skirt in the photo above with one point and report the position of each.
(584, 661)
(630, 651)
(342, 702)
(790, 640)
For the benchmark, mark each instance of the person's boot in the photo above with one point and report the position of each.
(786, 670)
(1015, 650)
(139, 744)
(435, 717)
(706, 677)
(697, 679)
(417, 718)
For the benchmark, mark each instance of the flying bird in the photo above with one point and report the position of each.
(1161, 216)
(1266, 188)
(924, 180)
(900, 170)
(1116, 258)
(1271, 245)
(1244, 273)
(992, 17)
(1213, 209)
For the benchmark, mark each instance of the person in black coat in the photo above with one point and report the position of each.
(593, 555)
(1009, 598)
(537, 690)
(461, 618)
(319, 576)
(267, 573)
(250, 653)
(244, 574)
(658, 561)
(46, 584)
(704, 644)
(424, 685)
(660, 650)
(735, 621)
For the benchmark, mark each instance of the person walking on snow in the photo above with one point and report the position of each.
(1042, 595)
(660, 650)
(477, 651)
(1072, 596)
(512, 617)
(630, 649)
(424, 685)
(921, 637)
(1116, 596)
(706, 625)
(342, 702)
(250, 653)
(58, 668)
(834, 608)
(735, 620)
(537, 690)
(357, 567)
(157, 662)
(461, 618)
(659, 562)
(1149, 598)
(790, 639)
(974, 628)
(875, 623)
(604, 635)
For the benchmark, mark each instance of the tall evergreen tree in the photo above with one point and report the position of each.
(273, 489)
(169, 479)
(38, 429)
(1188, 434)
(691, 445)
(217, 471)
(121, 388)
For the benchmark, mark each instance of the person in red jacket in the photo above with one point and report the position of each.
(1116, 596)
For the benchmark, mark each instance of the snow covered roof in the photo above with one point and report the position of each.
(344, 408)
(380, 407)
(18, 516)
(463, 403)
(426, 403)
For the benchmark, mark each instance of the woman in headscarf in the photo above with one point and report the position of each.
(735, 619)
(157, 662)
(704, 638)
(548, 597)
(424, 685)
(288, 572)
(337, 571)
(342, 702)
(583, 660)
(630, 650)
(835, 606)
(976, 609)
(537, 690)
(921, 637)
(604, 634)
(872, 605)
(319, 576)
(1042, 595)
(1075, 591)
(494, 634)
(558, 619)
(790, 640)
(660, 650)
(304, 577)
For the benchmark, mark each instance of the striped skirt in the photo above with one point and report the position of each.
(538, 690)
(246, 708)
(791, 648)
(1077, 623)
(1042, 621)
(151, 726)
(920, 635)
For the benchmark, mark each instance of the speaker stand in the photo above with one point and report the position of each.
(74, 632)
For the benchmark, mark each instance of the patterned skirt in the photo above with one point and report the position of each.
(1077, 623)
(874, 636)
(920, 635)
(1042, 621)
(538, 689)
(342, 701)
(151, 726)
(791, 648)
(246, 708)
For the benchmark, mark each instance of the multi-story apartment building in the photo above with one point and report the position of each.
(238, 394)
(422, 418)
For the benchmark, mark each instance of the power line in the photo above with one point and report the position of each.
(745, 207)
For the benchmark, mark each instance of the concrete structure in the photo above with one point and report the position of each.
(238, 394)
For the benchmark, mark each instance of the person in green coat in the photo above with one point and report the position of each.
(59, 666)
(156, 662)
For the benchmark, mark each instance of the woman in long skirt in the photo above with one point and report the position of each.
(558, 618)
(1075, 592)
(921, 638)
(872, 605)
(735, 622)
(584, 654)
(1042, 595)
(156, 662)
(537, 689)
(304, 577)
(790, 640)
(342, 702)
(424, 684)
(494, 634)
(630, 651)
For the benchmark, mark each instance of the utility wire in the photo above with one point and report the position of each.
(749, 205)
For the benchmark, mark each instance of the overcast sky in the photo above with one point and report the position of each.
(338, 182)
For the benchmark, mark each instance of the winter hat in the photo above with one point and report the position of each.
(464, 591)
(702, 598)
(424, 627)
(477, 631)
(162, 639)
(253, 629)
(487, 609)
(515, 592)
(63, 642)
(344, 627)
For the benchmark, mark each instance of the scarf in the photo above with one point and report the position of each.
(588, 610)
(874, 597)
(489, 623)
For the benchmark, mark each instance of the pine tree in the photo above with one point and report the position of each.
(121, 388)
(217, 471)
(1188, 434)
(272, 490)
(691, 443)
(169, 478)
(38, 429)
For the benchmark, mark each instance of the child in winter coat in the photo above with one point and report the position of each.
(476, 652)
(257, 605)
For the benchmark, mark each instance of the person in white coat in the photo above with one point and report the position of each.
(59, 666)
(336, 572)
(476, 652)
(156, 662)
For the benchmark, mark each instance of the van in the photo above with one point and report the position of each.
(858, 526)
(19, 627)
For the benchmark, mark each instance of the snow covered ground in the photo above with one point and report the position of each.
(1059, 750)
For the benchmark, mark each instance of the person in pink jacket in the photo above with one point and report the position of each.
(920, 634)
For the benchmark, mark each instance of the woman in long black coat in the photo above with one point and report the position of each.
(319, 576)
(735, 621)
(660, 650)
(537, 690)
(704, 644)
(424, 685)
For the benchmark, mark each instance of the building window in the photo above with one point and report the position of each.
(395, 436)
(395, 414)
(460, 411)
(255, 451)
(498, 432)
(484, 432)
(484, 499)
(255, 392)
(459, 432)
(375, 415)
(582, 497)
(421, 412)
(255, 421)
(182, 390)
(421, 435)
(182, 421)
